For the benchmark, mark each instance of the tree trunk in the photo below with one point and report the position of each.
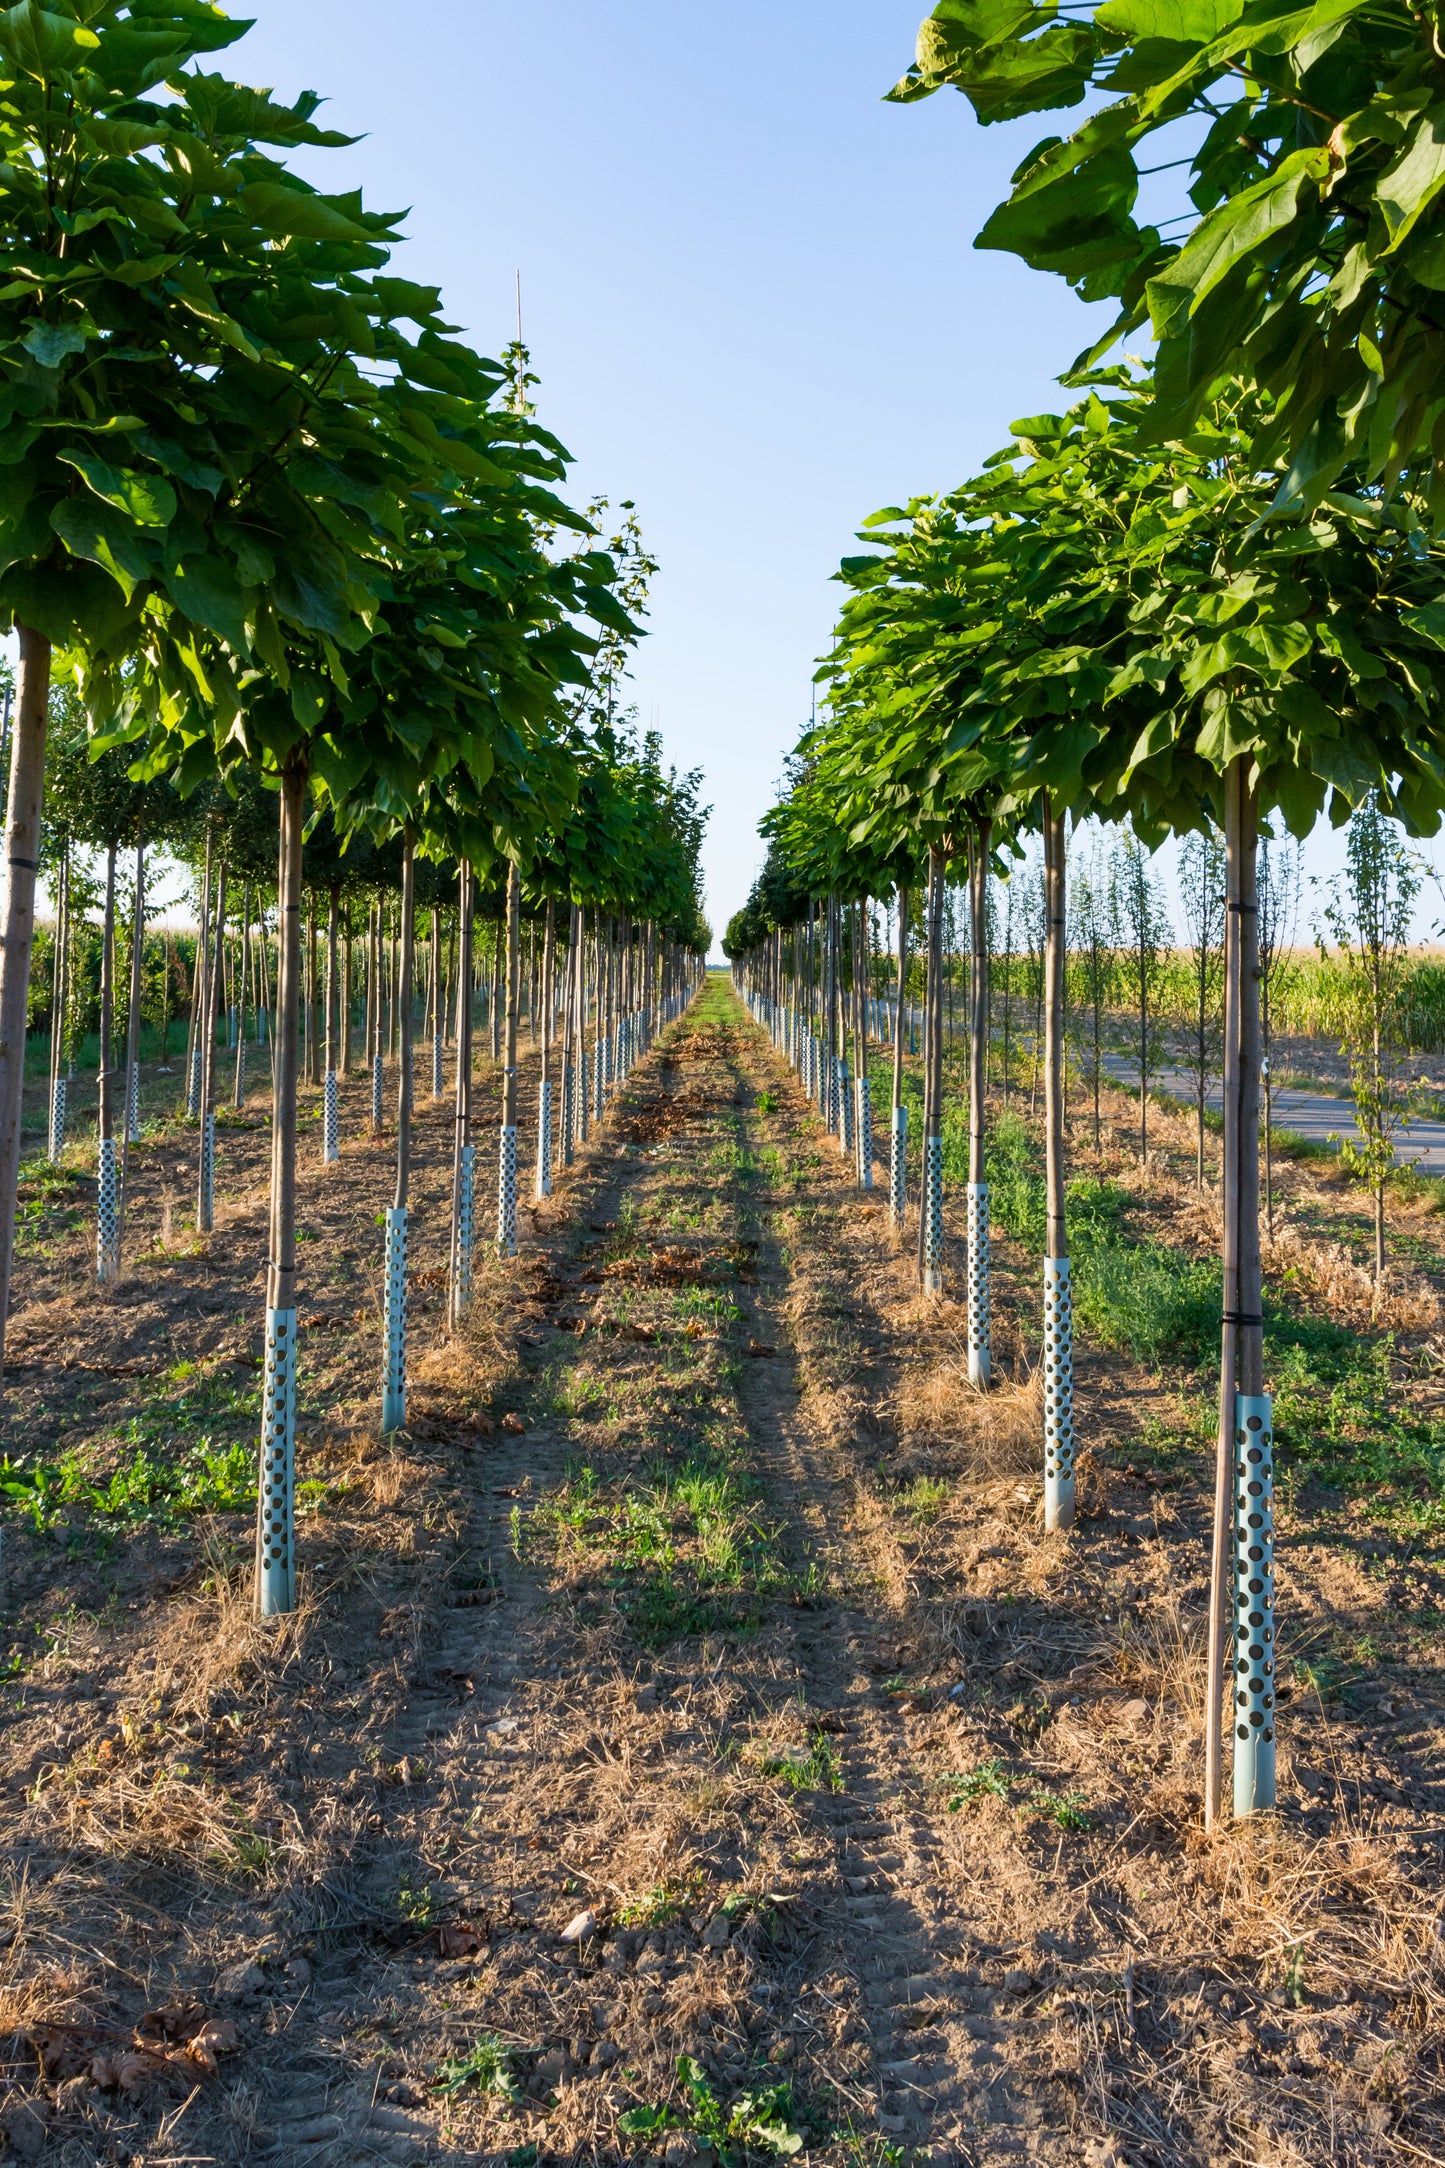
(863, 1089)
(507, 1163)
(980, 1263)
(393, 1397)
(1242, 1623)
(59, 1004)
(107, 1229)
(276, 1494)
(198, 989)
(898, 1140)
(463, 1186)
(931, 1215)
(1058, 1294)
(348, 992)
(132, 1035)
(438, 1081)
(243, 977)
(569, 1040)
(544, 1091)
(330, 1104)
(206, 1177)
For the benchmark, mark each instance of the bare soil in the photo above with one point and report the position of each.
(705, 1613)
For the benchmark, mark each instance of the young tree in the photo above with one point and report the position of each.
(1280, 877)
(1141, 933)
(1369, 917)
(1201, 896)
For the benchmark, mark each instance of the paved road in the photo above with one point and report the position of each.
(1317, 1116)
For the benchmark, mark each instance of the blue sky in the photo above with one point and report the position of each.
(748, 287)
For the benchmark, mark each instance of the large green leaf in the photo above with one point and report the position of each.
(147, 498)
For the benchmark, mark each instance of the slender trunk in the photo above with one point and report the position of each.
(507, 1166)
(59, 990)
(393, 1396)
(544, 1093)
(1143, 1048)
(569, 1039)
(107, 1247)
(1058, 1297)
(931, 1216)
(243, 976)
(348, 992)
(276, 1493)
(206, 1178)
(22, 850)
(132, 1033)
(898, 1139)
(1241, 1638)
(980, 1272)
(462, 1150)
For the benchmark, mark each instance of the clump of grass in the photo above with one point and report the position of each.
(924, 1498)
(819, 1770)
(691, 1551)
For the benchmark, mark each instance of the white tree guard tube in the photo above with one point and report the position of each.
(276, 1492)
(240, 1075)
(466, 1213)
(584, 1072)
(932, 1208)
(1254, 1680)
(599, 1064)
(330, 1120)
(436, 1065)
(57, 1118)
(898, 1169)
(845, 1110)
(865, 1133)
(207, 1214)
(193, 1089)
(544, 1138)
(107, 1214)
(1058, 1394)
(378, 1091)
(980, 1333)
(393, 1384)
(132, 1105)
(507, 1194)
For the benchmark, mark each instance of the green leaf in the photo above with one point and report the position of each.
(50, 343)
(147, 498)
(1245, 223)
(1409, 188)
(1182, 22)
(38, 43)
(96, 530)
(206, 590)
(284, 211)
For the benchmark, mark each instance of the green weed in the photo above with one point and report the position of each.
(763, 2119)
(141, 1488)
(666, 1902)
(487, 2066)
(1064, 1809)
(987, 1781)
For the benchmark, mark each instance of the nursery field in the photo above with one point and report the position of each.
(687, 1741)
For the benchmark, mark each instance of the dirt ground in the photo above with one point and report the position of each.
(688, 1744)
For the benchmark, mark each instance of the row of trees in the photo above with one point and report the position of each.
(1122, 629)
(1207, 597)
(300, 553)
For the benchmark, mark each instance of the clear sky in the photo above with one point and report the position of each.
(748, 287)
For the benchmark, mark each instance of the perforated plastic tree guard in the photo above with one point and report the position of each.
(980, 1347)
(275, 1502)
(507, 1194)
(1254, 1680)
(1058, 1394)
(393, 1387)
